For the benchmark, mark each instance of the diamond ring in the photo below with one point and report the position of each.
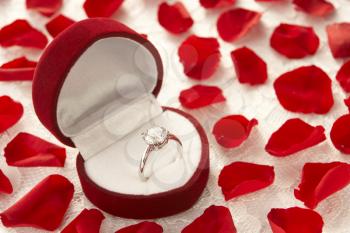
(155, 138)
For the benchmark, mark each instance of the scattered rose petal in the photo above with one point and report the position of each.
(294, 41)
(5, 184)
(21, 33)
(340, 134)
(215, 219)
(88, 221)
(10, 113)
(293, 136)
(292, 220)
(320, 180)
(307, 89)
(27, 150)
(201, 96)
(315, 7)
(174, 17)
(216, 3)
(339, 39)
(143, 227)
(250, 68)
(199, 56)
(19, 69)
(45, 7)
(234, 24)
(241, 178)
(58, 24)
(101, 8)
(343, 76)
(347, 102)
(43, 207)
(231, 131)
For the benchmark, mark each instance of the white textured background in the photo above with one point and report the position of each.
(249, 212)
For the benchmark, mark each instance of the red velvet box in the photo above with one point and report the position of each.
(95, 89)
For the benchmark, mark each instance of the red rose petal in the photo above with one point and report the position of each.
(43, 207)
(294, 41)
(215, 219)
(88, 221)
(201, 96)
(250, 68)
(21, 33)
(339, 39)
(10, 112)
(234, 24)
(293, 136)
(295, 220)
(343, 76)
(340, 134)
(347, 102)
(5, 184)
(231, 131)
(27, 150)
(175, 18)
(315, 7)
(143, 227)
(241, 178)
(199, 56)
(58, 24)
(45, 7)
(19, 69)
(216, 3)
(320, 180)
(101, 8)
(307, 89)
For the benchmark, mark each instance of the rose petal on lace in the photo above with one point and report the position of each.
(43, 207)
(174, 17)
(215, 219)
(143, 227)
(340, 134)
(241, 178)
(250, 68)
(201, 96)
(19, 69)
(88, 221)
(27, 150)
(295, 220)
(101, 8)
(234, 24)
(347, 102)
(58, 24)
(293, 136)
(231, 131)
(315, 7)
(216, 3)
(339, 39)
(343, 76)
(199, 56)
(5, 184)
(10, 113)
(294, 41)
(320, 180)
(45, 7)
(307, 89)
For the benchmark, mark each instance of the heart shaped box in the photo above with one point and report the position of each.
(95, 89)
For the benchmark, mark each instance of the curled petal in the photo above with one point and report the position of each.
(27, 150)
(5, 184)
(199, 56)
(144, 227)
(216, 3)
(19, 69)
(58, 24)
(234, 24)
(43, 207)
(45, 7)
(10, 112)
(292, 220)
(347, 103)
(315, 7)
(250, 68)
(231, 131)
(201, 96)
(101, 8)
(294, 41)
(343, 76)
(175, 18)
(241, 178)
(88, 221)
(320, 180)
(293, 136)
(340, 134)
(215, 219)
(307, 89)
(339, 39)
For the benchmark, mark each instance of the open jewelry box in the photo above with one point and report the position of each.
(95, 89)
